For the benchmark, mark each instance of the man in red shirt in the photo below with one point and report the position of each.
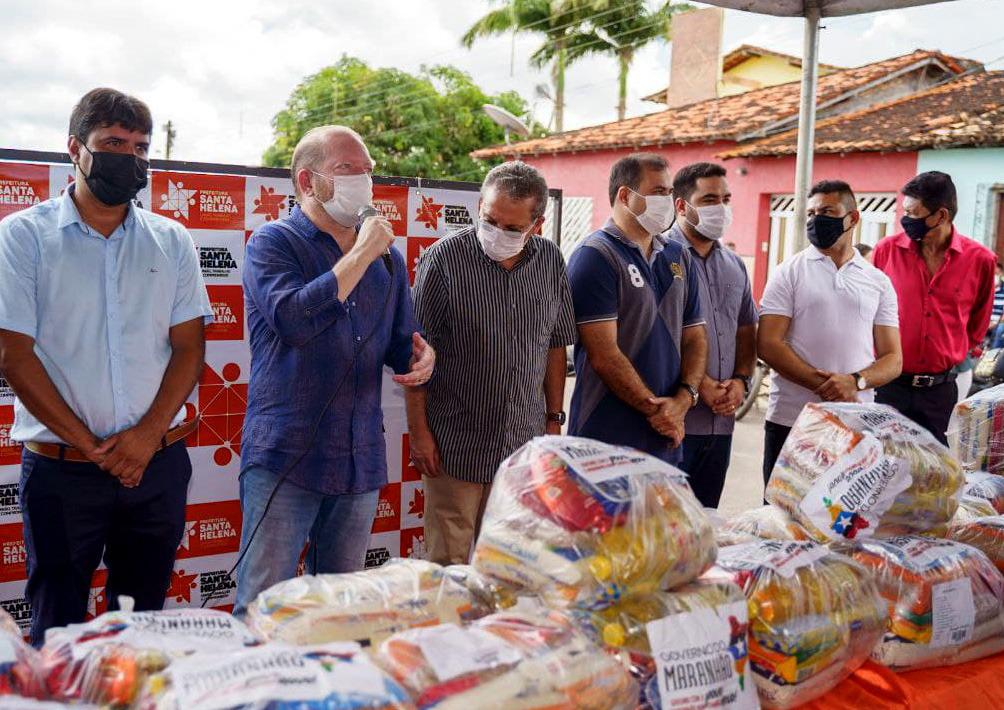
(945, 283)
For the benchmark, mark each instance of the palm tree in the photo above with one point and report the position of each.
(557, 20)
(620, 28)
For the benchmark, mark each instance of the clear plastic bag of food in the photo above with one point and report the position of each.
(768, 522)
(944, 601)
(988, 486)
(986, 534)
(365, 606)
(585, 524)
(976, 431)
(276, 676)
(814, 616)
(507, 660)
(21, 671)
(106, 660)
(693, 640)
(854, 471)
(970, 509)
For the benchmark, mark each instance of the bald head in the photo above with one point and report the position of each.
(328, 150)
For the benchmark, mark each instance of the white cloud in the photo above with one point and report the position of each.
(220, 70)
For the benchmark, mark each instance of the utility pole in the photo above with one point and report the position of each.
(171, 134)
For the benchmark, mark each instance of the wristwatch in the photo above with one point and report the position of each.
(694, 397)
(746, 382)
(556, 417)
(860, 381)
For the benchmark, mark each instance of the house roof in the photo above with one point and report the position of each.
(967, 111)
(727, 118)
(739, 55)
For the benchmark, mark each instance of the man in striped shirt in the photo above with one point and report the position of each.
(495, 304)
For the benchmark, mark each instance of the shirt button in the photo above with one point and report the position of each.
(358, 338)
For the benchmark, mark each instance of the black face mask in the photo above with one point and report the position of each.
(915, 227)
(116, 177)
(823, 231)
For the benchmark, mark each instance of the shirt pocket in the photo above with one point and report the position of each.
(537, 316)
(732, 296)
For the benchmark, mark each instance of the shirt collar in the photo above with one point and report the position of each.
(69, 214)
(904, 242)
(659, 241)
(856, 260)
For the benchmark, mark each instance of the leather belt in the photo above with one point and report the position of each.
(62, 452)
(926, 381)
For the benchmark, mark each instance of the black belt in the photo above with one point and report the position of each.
(926, 381)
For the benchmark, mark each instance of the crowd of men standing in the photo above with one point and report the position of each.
(102, 309)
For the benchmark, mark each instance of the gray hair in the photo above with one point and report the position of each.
(518, 181)
(312, 150)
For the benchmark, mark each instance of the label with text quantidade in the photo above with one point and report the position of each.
(953, 613)
(849, 498)
(452, 651)
(701, 658)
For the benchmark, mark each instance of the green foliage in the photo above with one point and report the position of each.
(421, 124)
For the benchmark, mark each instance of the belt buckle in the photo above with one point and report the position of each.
(923, 381)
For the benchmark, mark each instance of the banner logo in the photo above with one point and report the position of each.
(269, 203)
(177, 200)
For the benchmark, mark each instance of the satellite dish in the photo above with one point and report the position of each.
(508, 121)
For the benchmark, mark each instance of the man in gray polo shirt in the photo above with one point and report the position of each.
(495, 304)
(703, 214)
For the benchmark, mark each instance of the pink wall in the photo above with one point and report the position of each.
(585, 175)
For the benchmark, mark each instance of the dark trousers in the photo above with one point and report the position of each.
(75, 512)
(931, 407)
(774, 436)
(706, 461)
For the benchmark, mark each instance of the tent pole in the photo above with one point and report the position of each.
(806, 126)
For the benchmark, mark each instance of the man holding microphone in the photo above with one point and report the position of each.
(325, 313)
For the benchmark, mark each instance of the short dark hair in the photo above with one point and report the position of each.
(99, 108)
(863, 249)
(686, 179)
(935, 190)
(839, 187)
(627, 171)
(518, 181)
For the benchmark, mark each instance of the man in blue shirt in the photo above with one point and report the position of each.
(642, 348)
(325, 314)
(102, 310)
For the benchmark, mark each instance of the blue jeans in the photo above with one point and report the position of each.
(706, 461)
(998, 339)
(338, 528)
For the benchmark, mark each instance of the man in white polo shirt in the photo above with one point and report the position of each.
(829, 321)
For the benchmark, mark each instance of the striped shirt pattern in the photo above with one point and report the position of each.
(492, 330)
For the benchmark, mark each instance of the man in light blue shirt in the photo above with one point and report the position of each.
(102, 310)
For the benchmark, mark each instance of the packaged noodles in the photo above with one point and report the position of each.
(363, 606)
(976, 431)
(507, 660)
(944, 601)
(854, 471)
(585, 524)
(767, 522)
(106, 660)
(814, 616)
(277, 676)
(692, 641)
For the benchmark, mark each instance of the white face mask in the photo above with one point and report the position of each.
(656, 215)
(712, 220)
(351, 194)
(499, 244)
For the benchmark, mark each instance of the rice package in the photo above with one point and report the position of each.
(106, 660)
(853, 471)
(988, 486)
(814, 616)
(986, 534)
(976, 431)
(585, 524)
(944, 601)
(767, 522)
(507, 660)
(276, 676)
(692, 641)
(363, 606)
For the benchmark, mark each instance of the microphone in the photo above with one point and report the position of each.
(364, 214)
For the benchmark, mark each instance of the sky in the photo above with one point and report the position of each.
(219, 70)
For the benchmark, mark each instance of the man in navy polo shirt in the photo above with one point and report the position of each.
(642, 349)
